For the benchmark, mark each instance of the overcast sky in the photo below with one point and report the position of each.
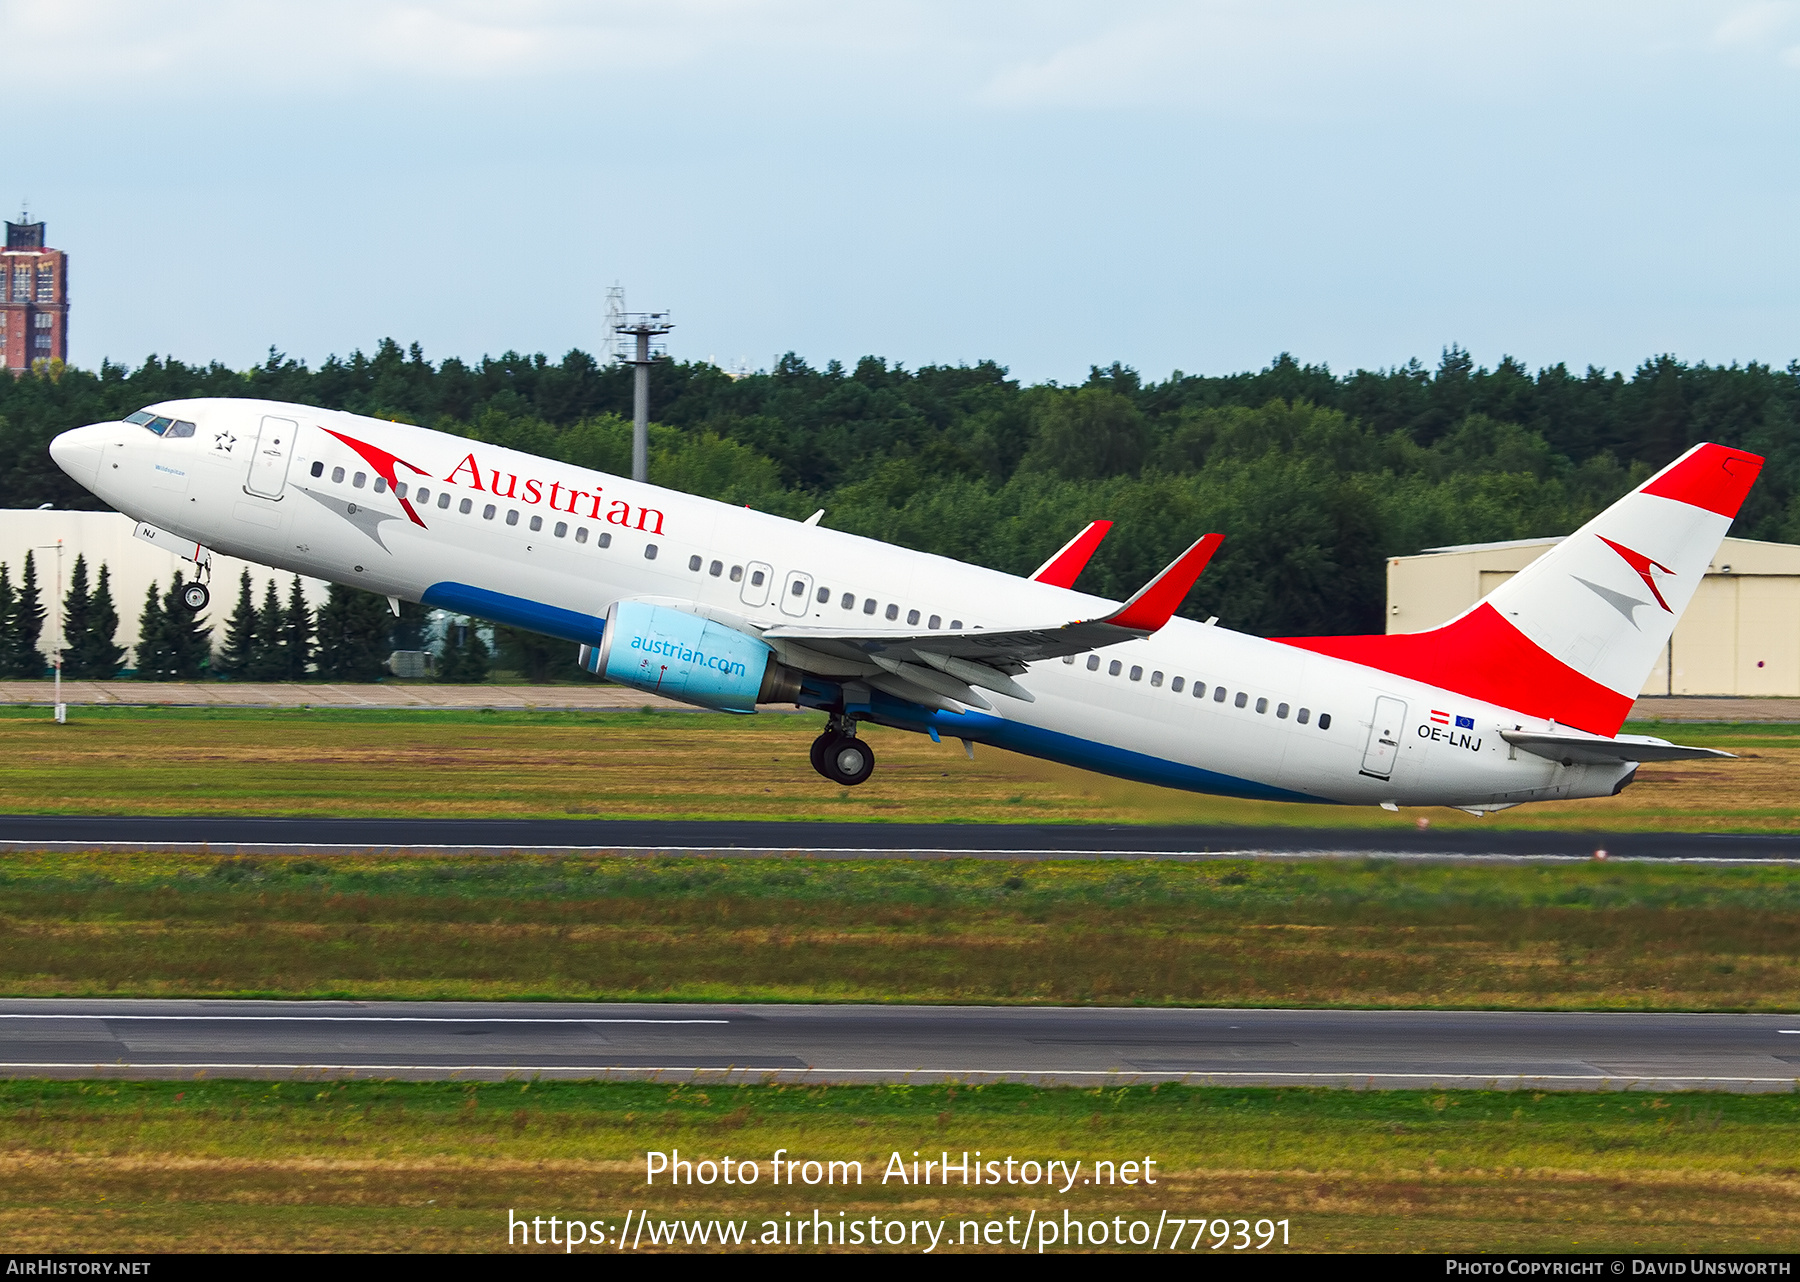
(1050, 185)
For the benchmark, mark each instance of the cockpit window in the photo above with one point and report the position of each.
(140, 418)
(160, 425)
(181, 427)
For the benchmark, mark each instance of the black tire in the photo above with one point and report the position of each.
(849, 761)
(194, 597)
(819, 746)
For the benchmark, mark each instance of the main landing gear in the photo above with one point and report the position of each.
(840, 756)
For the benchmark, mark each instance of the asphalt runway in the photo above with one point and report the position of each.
(850, 1044)
(858, 840)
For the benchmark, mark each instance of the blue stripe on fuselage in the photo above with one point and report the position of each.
(1051, 745)
(516, 611)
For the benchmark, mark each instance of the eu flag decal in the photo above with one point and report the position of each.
(1465, 723)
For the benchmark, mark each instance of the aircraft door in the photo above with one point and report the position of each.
(795, 593)
(269, 460)
(757, 576)
(1384, 737)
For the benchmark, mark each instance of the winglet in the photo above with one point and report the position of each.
(1062, 569)
(1156, 602)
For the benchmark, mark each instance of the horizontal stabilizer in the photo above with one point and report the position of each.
(1592, 750)
(1061, 570)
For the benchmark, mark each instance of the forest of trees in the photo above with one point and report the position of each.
(1313, 477)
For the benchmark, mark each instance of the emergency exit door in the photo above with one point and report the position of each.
(1384, 737)
(269, 460)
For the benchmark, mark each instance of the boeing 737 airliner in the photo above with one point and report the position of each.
(1518, 699)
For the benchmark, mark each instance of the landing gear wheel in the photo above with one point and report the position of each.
(848, 761)
(194, 597)
(819, 746)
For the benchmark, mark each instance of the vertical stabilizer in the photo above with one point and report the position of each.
(1574, 635)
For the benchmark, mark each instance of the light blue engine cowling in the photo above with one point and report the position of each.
(683, 656)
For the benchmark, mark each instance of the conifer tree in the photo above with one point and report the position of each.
(354, 635)
(19, 656)
(77, 609)
(189, 645)
(239, 652)
(268, 662)
(297, 633)
(9, 599)
(154, 661)
(99, 657)
(464, 657)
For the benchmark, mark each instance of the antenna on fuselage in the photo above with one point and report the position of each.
(637, 340)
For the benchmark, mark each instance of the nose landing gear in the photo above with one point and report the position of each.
(840, 756)
(194, 597)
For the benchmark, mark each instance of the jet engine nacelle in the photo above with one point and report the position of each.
(682, 656)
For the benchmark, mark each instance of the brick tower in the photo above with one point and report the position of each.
(34, 298)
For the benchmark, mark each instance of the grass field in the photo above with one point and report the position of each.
(1312, 933)
(369, 1166)
(692, 765)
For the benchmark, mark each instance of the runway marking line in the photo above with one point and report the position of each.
(1203, 1075)
(369, 1019)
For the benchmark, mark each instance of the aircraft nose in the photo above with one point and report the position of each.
(77, 451)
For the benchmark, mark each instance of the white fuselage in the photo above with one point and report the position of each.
(599, 539)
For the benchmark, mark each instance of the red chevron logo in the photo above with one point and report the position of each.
(1643, 565)
(383, 463)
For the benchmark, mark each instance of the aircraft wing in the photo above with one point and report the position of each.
(1594, 750)
(950, 662)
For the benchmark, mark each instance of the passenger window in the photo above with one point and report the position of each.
(893, 612)
(799, 584)
(1069, 659)
(562, 528)
(849, 601)
(824, 596)
(537, 523)
(337, 476)
(318, 469)
(1218, 693)
(756, 578)
(512, 516)
(912, 618)
(1241, 700)
(359, 480)
(399, 488)
(1324, 721)
(956, 625)
(581, 537)
(466, 506)
(181, 427)
(650, 555)
(737, 571)
(869, 606)
(1176, 683)
(381, 485)
(1281, 711)
(694, 564)
(1113, 669)
(487, 513)
(714, 570)
(1262, 705)
(444, 499)
(935, 622)
(604, 539)
(1093, 663)
(1156, 678)
(1303, 716)
(1137, 672)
